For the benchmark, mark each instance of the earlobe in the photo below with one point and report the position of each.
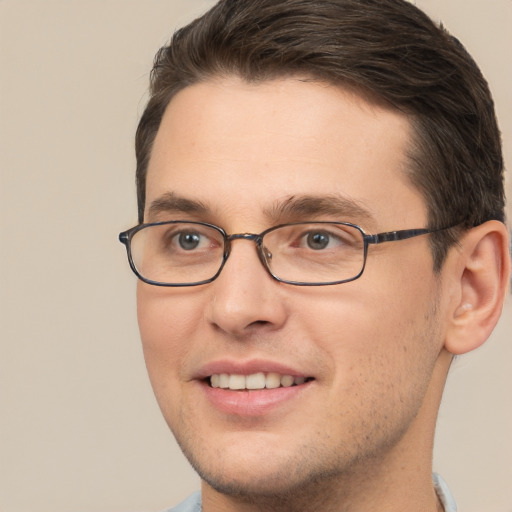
(481, 272)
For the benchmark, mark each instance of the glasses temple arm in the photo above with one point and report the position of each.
(391, 236)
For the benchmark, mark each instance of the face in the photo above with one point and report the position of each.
(361, 354)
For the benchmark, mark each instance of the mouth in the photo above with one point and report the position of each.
(255, 381)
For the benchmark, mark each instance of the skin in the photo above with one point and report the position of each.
(359, 436)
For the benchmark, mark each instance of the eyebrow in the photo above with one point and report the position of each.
(172, 203)
(291, 209)
(300, 207)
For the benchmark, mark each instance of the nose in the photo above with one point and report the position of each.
(245, 299)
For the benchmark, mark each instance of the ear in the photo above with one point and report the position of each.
(480, 273)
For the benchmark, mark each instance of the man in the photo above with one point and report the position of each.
(321, 209)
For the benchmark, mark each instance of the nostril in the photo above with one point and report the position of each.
(258, 323)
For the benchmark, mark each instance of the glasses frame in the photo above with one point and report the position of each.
(369, 239)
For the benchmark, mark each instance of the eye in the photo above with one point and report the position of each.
(318, 240)
(337, 238)
(189, 241)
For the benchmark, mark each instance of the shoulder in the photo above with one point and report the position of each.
(191, 504)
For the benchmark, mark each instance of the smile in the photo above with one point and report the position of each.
(260, 380)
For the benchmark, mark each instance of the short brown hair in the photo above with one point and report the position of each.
(388, 48)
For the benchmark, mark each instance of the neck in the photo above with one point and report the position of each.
(363, 495)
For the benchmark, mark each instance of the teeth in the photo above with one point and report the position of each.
(286, 381)
(273, 381)
(254, 381)
(236, 382)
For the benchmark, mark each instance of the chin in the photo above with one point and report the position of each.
(256, 473)
(239, 472)
(257, 483)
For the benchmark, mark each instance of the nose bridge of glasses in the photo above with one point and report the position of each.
(244, 236)
(257, 239)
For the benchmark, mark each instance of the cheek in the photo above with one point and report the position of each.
(167, 322)
(375, 337)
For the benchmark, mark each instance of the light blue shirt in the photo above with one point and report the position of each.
(444, 493)
(193, 502)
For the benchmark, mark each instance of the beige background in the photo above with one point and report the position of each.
(79, 428)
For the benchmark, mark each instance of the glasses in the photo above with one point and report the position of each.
(181, 253)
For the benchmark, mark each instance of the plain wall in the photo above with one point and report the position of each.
(79, 427)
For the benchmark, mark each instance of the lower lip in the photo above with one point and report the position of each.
(252, 403)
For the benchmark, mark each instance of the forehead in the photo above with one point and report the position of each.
(235, 146)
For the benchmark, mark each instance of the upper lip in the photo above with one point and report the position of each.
(247, 368)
